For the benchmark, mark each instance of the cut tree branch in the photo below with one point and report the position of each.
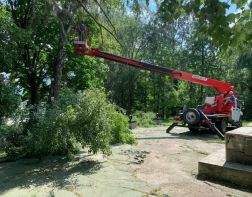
(98, 23)
(105, 14)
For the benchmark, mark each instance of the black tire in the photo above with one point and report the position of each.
(222, 125)
(191, 116)
(193, 130)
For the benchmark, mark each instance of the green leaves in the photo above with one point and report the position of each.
(212, 15)
(9, 100)
(239, 3)
(171, 9)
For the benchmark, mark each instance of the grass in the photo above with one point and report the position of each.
(156, 192)
(167, 122)
(2, 154)
(216, 141)
(247, 123)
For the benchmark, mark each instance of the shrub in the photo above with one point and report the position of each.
(96, 123)
(9, 100)
(144, 119)
(86, 119)
(13, 141)
(120, 129)
(35, 131)
(89, 121)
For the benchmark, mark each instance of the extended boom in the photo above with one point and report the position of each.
(219, 86)
(216, 113)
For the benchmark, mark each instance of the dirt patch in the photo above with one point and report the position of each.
(173, 163)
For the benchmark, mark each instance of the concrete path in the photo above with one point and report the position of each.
(160, 165)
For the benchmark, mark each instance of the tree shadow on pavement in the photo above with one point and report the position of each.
(57, 171)
(201, 135)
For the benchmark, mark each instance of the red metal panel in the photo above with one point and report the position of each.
(219, 86)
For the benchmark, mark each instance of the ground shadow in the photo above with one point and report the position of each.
(33, 172)
(200, 135)
(225, 184)
(187, 135)
(155, 138)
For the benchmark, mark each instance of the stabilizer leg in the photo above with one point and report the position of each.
(212, 126)
(171, 127)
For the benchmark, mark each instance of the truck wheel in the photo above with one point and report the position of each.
(222, 126)
(191, 116)
(193, 130)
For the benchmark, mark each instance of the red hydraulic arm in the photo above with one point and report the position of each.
(219, 86)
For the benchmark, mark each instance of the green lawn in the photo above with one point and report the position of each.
(167, 122)
(2, 154)
(247, 123)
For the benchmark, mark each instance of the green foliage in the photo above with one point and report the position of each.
(87, 119)
(90, 120)
(14, 140)
(226, 29)
(144, 119)
(183, 35)
(82, 73)
(36, 131)
(9, 100)
(95, 122)
(168, 122)
(247, 123)
(120, 129)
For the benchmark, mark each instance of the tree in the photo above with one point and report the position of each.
(226, 29)
(66, 12)
(29, 22)
(9, 99)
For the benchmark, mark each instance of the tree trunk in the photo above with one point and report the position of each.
(32, 74)
(33, 88)
(58, 66)
(66, 14)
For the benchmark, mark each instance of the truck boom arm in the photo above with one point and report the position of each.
(219, 86)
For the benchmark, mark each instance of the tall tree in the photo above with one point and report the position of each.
(29, 20)
(66, 12)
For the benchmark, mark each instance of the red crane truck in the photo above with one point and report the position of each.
(217, 113)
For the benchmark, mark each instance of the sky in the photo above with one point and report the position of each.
(231, 9)
(153, 6)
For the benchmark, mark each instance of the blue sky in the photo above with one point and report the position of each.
(152, 5)
(231, 9)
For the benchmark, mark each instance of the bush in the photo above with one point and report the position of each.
(120, 129)
(13, 141)
(86, 119)
(96, 123)
(144, 119)
(35, 131)
(9, 100)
